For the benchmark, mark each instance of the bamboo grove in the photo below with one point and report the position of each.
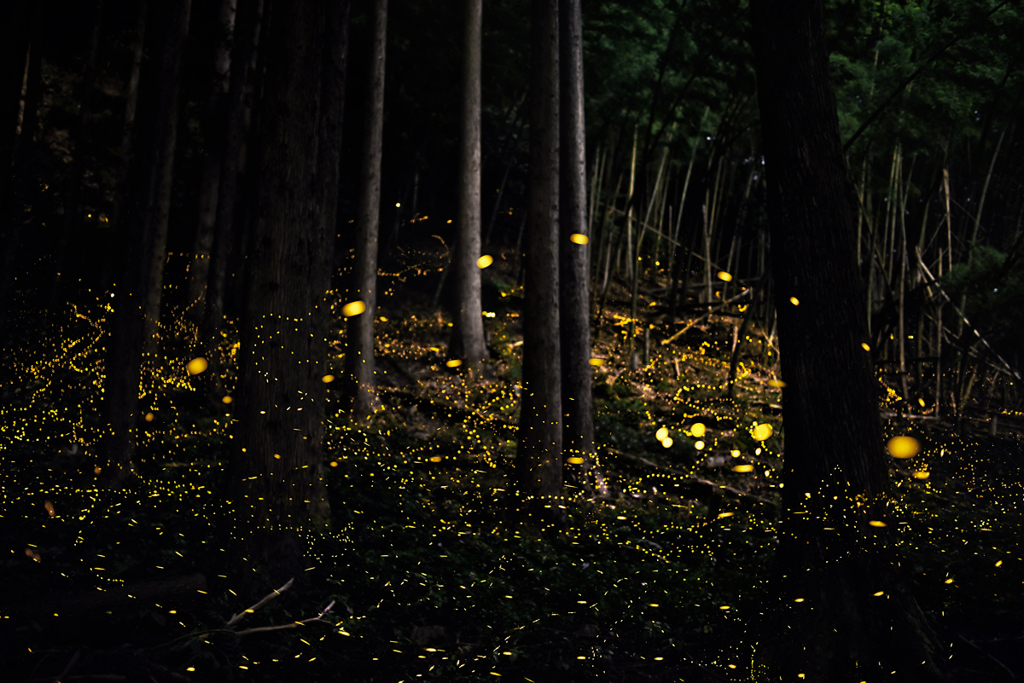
(931, 139)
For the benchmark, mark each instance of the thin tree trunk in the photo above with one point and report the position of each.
(574, 252)
(72, 221)
(360, 363)
(158, 214)
(14, 42)
(469, 322)
(144, 232)
(630, 202)
(122, 185)
(16, 29)
(539, 453)
(981, 202)
(214, 134)
(243, 45)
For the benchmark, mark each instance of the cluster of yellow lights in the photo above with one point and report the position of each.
(471, 468)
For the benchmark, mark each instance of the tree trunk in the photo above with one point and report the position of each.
(144, 235)
(539, 453)
(122, 184)
(574, 252)
(332, 106)
(856, 618)
(72, 220)
(15, 46)
(16, 29)
(469, 323)
(214, 133)
(244, 42)
(360, 363)
(276, 475)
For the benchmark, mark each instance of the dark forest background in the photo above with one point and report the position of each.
(674, 340)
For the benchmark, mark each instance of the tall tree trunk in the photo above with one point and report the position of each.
(276, 474)
(14, 43)
(214, 133)
(360, 363)
(332, 107)
(574, 252)
(469, 322)
(72, 221)
(137, 304)
(243, 45)
(158, 213)
(16, 28)
(539, 453)
(122, 184)
(856, 617)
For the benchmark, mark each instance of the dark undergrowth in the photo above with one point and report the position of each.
(424, 575)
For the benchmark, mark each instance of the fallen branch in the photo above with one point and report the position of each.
(927, 273)
(270, 596)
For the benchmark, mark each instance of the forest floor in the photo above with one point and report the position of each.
(423, 574)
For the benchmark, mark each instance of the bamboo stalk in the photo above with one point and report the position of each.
(629, 206)
(981, 202)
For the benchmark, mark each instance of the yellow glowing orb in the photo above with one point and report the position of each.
(921, 475)
(920, 402)
(865, 346)
(661, 434)
(903, 447)
(197, 365)
(577, 238)
(762, 432)
(454, 363)
(723, 515)
(484, 261)
(334, 463)
(699, 445)
(327, 379)
(793, 300)
(575, 460)
(149, 417)
(778, 383)
(353, 308)
(724, 276)
(667, 442)
(597, 362)
(743, 468)
(698, 429)
(435, 458)
(226, 400)
(876, 523)
(734, 453)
